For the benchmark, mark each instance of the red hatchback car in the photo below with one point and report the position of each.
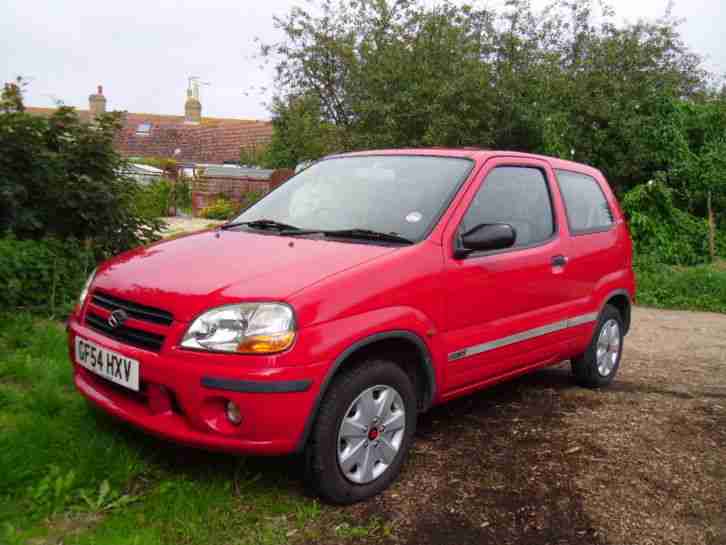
(364, 290)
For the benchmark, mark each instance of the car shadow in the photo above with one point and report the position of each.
(532, 394)
(539, 384)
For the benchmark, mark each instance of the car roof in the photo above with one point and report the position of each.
(477, 154)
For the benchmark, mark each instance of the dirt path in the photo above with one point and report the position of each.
(540, 461)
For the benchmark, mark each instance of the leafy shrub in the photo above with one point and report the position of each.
(158, 198)
(221, 209)
(183, 194)
(660, 231)
(61, 177)
(43, 275)
(250, 198)
(153, 199)
(224, 208)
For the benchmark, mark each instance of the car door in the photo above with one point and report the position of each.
(505, 309)
(595, 246)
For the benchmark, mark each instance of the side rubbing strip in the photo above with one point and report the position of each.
(523, 336)
(583, 319)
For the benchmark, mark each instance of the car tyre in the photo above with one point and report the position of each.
(336, 444)
(599, 364)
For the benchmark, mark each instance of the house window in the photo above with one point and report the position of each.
(144, 129)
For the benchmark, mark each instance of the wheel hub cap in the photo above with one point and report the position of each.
(608, 347)
(371, 433)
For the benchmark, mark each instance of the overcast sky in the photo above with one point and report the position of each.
(143, 51)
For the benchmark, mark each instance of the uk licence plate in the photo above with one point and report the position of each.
(107, 363)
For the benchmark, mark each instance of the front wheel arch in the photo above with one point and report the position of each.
(384, 341)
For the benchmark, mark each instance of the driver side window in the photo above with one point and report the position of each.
(518, 196)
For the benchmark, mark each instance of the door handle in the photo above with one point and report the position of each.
(559, 261)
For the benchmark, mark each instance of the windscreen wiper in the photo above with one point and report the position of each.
(261, 224)
(362, 234)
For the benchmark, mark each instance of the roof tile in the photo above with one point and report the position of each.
(214, 140)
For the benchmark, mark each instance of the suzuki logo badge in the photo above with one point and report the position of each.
(117, 318)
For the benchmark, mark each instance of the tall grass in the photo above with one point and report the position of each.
(70, 474)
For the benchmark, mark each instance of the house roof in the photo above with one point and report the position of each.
(213, 140)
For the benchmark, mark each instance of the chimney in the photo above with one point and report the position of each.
(97, 103)
(192, 108)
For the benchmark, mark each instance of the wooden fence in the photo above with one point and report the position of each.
(206, 189)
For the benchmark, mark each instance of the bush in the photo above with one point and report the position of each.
(221, 209)
(660, 231)
(183, 194)
(61, 177)
(158, 198)
(153, 199)
(225, 208)
(42, 275)
(250, 198)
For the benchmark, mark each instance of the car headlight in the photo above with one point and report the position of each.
(248, 328)
(86, 287)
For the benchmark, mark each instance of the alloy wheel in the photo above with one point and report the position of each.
(371, 433)
(608, 347)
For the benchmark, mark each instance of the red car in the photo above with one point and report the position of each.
(366, 289)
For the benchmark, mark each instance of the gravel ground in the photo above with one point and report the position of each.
(542, 461)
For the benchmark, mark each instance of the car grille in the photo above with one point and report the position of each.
(134, 310)
(133, 336)
(127, 335)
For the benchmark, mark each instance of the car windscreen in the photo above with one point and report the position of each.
(397, 194)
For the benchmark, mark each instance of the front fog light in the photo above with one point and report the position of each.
(234, 415)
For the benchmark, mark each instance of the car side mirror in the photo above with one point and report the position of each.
(486, 237)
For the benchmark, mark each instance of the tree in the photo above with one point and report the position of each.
(300, 133)
(569, 80)
(713, 181)
(687, 144)
(61, 176)
(701, 167)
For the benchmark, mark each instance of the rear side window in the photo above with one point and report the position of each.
(518, 196)
(585, 203)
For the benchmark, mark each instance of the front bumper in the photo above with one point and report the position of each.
(183, 398)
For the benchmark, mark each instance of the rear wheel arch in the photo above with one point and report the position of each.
(407, 349)
(620, 299)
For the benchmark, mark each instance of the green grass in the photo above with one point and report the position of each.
(70, 473)
(688, 288)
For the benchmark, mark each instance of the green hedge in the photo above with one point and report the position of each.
(702, 287)
(42, 275)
